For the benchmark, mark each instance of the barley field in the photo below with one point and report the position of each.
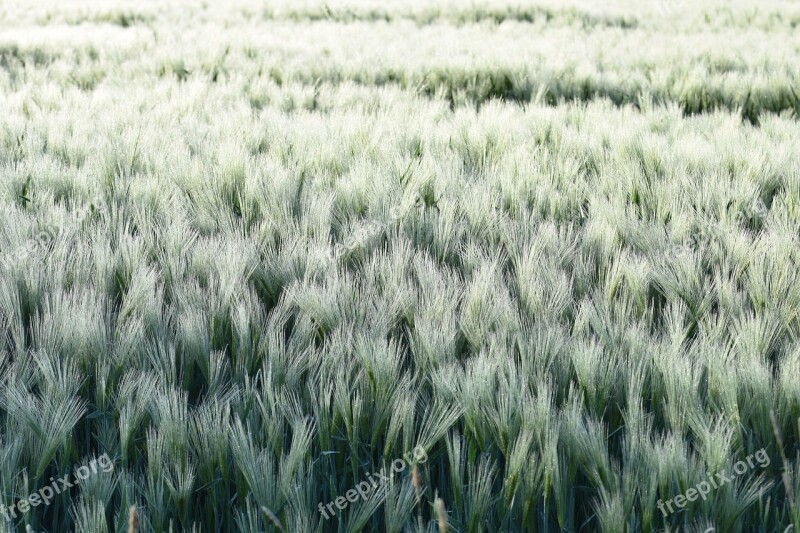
(401, 266)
